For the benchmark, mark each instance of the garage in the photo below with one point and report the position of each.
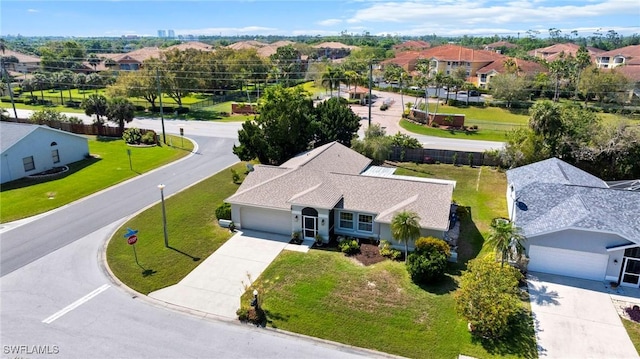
(566, 262)
(265, 220)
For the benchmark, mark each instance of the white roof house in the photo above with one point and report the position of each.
(30, 149)
(325, 192)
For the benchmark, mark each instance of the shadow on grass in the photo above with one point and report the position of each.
(148, 272)
(445, 285)
(107, 138)
(471, 240)
(519, 339)
(195, 259)
(271, 316)
(26, 182)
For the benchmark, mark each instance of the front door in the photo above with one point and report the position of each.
(310, 227)
(631, 272)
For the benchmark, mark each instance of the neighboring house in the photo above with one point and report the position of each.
(523, 67)
(575, 224)
(629, 55)
(479, 65)
(25, 64)
(30, 149)
(333, 50)
(551, 53)
(499, 45)
(325, 192)
(358, 93)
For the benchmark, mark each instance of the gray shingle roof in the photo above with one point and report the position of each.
(323, 177)
(567, 197)
(11, 133)
(552, 170)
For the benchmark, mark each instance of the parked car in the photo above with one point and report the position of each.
(474, 93)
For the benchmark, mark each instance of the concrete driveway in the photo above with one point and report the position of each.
(215, 286)
(576, 318)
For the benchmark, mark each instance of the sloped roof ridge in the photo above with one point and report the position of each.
(284, 173)
(397, 206)
(302, 193)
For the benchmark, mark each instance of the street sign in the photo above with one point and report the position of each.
(130, 232)
(132, 240)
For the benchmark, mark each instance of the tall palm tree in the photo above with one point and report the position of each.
(80, 81)
(506, 238)
(120, 110)
(41, 80)
(423, 66)
(405, 227)
(331, 79)
(95, 105)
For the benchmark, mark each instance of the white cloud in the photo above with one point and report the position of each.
(31, 11)
(329, 22)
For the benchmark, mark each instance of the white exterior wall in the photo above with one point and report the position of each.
(385, 233)
(585, 241)
(323, 214)
(71, 148)
(375, 233)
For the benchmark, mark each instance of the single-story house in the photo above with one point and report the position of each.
(326, 192)
(575, 224)
(29, 149)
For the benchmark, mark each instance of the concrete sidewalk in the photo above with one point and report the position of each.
(216, 285)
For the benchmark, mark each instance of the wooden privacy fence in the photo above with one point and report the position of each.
(81, 129)
(427, 155)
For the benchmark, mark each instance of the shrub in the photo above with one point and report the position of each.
(489, 297)
(235, 176)
(149, 138)
(384, 107)
(139, 108)
(386, 250)
(132, 136)
(252, 315)
(426, 267)
(431, 244)
(182, 110)
(223, 211)
(349, 246)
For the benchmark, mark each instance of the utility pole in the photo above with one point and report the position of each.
(370, 85)
(5, 74)
(164, 135)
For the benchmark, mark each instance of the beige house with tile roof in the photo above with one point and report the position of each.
(25, 64)
(326, 192)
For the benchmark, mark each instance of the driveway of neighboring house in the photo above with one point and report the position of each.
(576, 318)
(215, 286)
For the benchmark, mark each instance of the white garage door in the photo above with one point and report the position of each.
(569, 263)
(266, 220)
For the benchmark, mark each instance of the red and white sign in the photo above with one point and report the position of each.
(132, 239)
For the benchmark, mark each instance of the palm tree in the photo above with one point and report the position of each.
(120, 110)
(95, 105)
(58, 80)
(40, 80)
(66, 77)
(93, 60)
(423, 66)
(331, 79)
(405, 227)
(506, 239)
(80, 81)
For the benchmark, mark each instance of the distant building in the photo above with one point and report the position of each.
(171, 34)
(162, 33)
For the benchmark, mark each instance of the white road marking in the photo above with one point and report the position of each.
(76, 304)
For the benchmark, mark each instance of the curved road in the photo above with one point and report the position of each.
(56, 296)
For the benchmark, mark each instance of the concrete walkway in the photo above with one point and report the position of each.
(215, 286)
(576, 318)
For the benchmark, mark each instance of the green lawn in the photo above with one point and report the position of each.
(484, 134)
(193, 235)
(325, 294)
(633, 329)
(27, 197)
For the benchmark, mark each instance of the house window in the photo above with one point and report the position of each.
(365, 223)
(346, 220)
(28, 163)
(56, 156)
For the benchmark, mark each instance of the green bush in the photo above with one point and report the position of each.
(182, 110)
(488, 297)
(384, 107)
(139, 108)
(252, 315)
(149, 138)
(223, 211)
(430, 244)
(235, 177)
(386, 250)
(349, 246)
(426, 267)
(132, 136)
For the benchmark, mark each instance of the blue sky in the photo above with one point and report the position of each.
(316, 17)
